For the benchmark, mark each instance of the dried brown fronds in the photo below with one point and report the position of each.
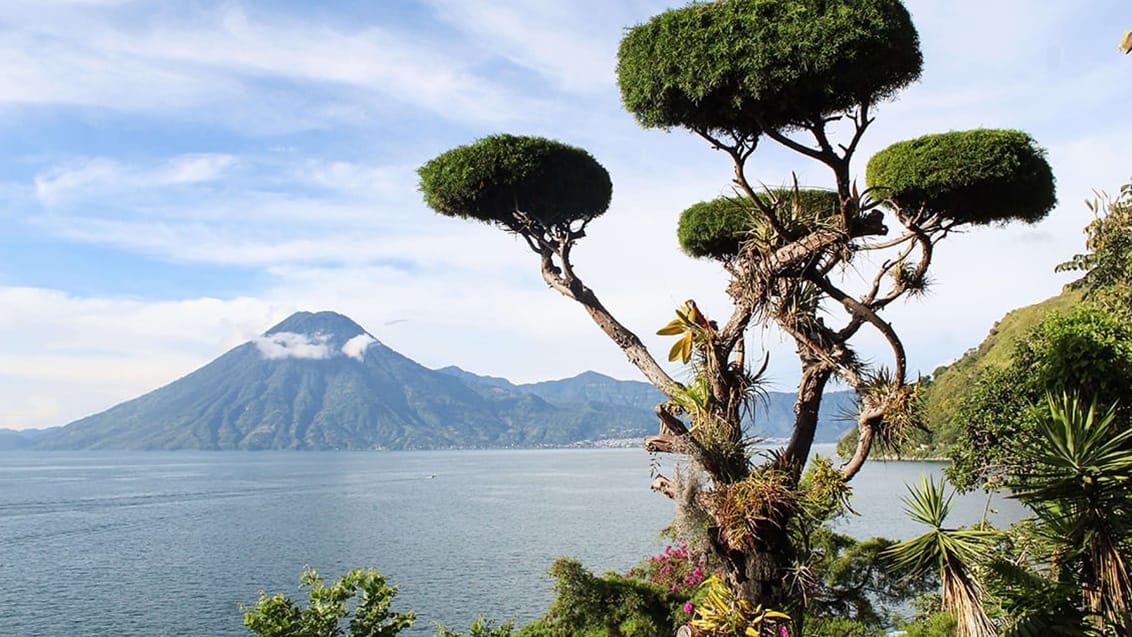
(745, 509)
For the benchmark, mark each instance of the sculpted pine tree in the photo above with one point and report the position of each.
(803, 74)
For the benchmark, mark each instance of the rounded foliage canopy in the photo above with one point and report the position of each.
(753, 65)
(977, 176)
(716, 229)
(498, 176)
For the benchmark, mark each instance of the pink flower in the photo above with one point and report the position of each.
(688, 607)
(782, 632)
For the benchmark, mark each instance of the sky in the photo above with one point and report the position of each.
(177, 177)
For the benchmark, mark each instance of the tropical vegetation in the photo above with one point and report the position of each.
(756, 553)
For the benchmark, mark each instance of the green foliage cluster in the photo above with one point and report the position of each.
(1076, 483)
(481, 627)
(847, 584)
(587, 605)
(492, 179)
(328, 612)
(1108, 263)
(718, 228)
(754, 65)
(852, 584)
(1065, 570)
(937, 624)
(357, 605)
(978, 176)
(992, 419)
(840, 585)
(1086, 350)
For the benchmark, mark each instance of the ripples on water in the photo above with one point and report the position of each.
(150, 544)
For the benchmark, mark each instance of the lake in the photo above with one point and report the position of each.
(170, 543)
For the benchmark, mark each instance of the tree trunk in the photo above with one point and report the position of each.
(756, 573)
(814, 378)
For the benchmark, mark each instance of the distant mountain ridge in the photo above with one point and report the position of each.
(774, 417)
(318, 380)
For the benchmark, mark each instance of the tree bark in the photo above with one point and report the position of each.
(810, 388)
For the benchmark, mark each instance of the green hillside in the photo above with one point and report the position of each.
(949, 381)
(939, 391)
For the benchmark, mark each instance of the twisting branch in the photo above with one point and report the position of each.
(739, 152)
(768, 268)
(874, 288)
(566, 282)
(857, 308)
(884, 245)
(861, 121)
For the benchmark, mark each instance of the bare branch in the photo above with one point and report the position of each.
(566, 282)
(855, 307)
(664, 486)
(866, 427)
(795, 146)
(861, 121)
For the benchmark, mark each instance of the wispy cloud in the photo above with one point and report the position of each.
(534, 35)
(81, 180)
(213, 61)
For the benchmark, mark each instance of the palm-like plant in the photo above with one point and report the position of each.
(948, 551)
(1077, 483)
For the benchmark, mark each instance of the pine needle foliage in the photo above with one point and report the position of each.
(978, 176)
(511, 181)
(746, 65)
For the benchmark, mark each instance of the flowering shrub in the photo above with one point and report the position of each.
(678, 569)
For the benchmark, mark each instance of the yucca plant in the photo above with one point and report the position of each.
(1077, 482)
(1035, 605)
(951, 552)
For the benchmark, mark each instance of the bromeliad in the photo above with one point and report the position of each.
(693, 327)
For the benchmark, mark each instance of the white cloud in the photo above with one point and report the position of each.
(356, 347)
(282, 345)
(290, 345)
(535, 35)
(193, 169)
(64, 356)
(79, 181)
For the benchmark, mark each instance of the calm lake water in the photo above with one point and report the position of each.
(154, 543)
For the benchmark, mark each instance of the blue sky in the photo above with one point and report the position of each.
(178, 177)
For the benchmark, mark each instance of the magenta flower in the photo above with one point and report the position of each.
(688, 607)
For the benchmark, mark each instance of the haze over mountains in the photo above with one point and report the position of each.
(320, 381)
